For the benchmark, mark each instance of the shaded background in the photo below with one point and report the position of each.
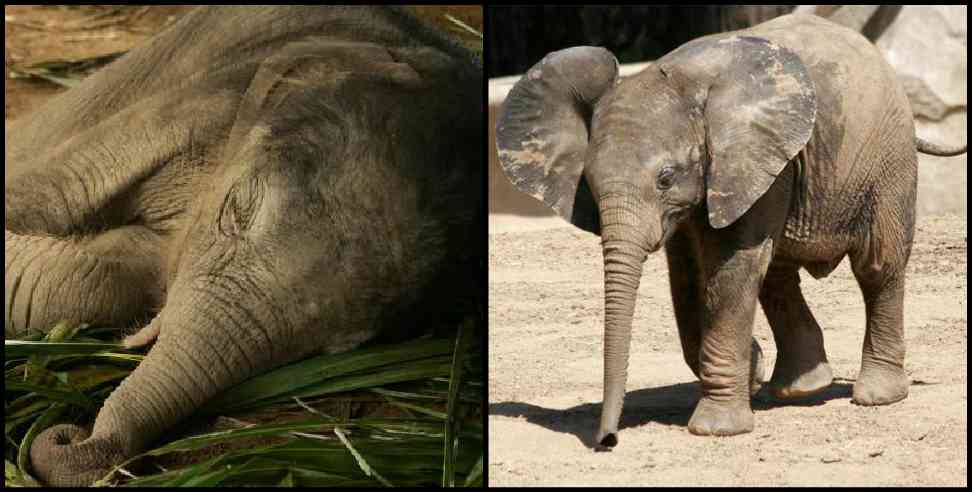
(522, 34)
(927, 46)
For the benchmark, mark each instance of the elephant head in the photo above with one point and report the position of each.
(707, 127)
(332, 196)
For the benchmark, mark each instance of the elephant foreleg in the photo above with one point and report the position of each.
(685, 278)
(801, 361)
(684, 274)
(735, 260)
(108, 279)
(732, 286)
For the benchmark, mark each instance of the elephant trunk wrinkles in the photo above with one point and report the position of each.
(623, 241)
(202, 350)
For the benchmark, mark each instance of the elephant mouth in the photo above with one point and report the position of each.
(670, 222)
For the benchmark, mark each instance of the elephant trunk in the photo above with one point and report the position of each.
(624, 242)
(203, 349)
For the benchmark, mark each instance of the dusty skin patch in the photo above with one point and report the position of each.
(545, 318)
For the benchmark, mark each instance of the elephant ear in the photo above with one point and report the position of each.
(759, 109)
(543, 128)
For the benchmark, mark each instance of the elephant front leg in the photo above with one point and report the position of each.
(801, 361)
(108, 279)
(686, 280)
(732, 287)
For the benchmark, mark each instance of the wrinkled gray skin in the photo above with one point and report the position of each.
(748, 155)
(272, 182)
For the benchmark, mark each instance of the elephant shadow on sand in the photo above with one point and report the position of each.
(668, 405)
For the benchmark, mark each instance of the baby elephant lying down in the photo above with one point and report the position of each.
(271, 181)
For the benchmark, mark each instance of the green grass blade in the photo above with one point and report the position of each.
(475, 477)
(11, 475)
(288, 480)
(449, 456)
(464, 26)
(407, 372)
(18, 349)
(69, 396)
(291, 381)
(420, 409)
(389, 426)
(66, 73)
(362, 462)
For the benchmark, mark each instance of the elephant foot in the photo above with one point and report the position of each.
(712, 418)
(880, 386)
(788, 385)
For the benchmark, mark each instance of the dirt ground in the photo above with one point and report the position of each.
(545, 322)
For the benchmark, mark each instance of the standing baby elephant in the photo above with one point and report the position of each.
(748, 155)
(271, 181)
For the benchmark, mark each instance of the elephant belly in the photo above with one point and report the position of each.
(821, 269)
(810, 239)
(819, 258)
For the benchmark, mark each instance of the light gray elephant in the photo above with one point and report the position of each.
(266, 182)
(748, 155)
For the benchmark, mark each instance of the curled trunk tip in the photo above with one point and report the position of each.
(67, 456)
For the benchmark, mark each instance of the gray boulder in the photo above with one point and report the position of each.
(927, 45)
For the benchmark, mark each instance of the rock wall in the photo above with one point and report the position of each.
(928, 46)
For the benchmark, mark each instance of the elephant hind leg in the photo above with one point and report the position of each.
(110, 279)
(879, 263)
(882, 379)
(801, 360)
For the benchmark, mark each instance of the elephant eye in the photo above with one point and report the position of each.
(666, 178)
(240, 206)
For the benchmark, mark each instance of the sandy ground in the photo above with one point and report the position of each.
(545, 319)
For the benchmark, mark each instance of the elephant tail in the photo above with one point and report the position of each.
(926, 147)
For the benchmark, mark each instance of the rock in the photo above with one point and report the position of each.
(924, 102)
(928, 47)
